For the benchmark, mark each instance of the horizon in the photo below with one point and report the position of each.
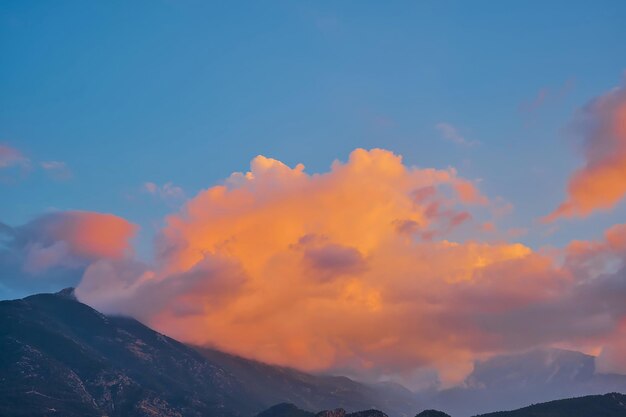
(389, 192)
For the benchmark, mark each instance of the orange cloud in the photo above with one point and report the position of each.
(353, 269)
(52, 251)
(95, 235)
(601, 183)
(66, 236)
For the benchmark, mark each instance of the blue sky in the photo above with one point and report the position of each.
(126, 93)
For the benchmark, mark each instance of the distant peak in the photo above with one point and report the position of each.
(432, 413)
(67, 293)
(338, 412)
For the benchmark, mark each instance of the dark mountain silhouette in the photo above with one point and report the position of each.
(607, 405)
(367, 413)
(290, 410)
(285, 410)
(432, 413)
(61, 357)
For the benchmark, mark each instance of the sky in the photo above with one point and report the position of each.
(358, 177)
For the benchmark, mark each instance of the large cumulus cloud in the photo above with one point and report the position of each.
(356, 270)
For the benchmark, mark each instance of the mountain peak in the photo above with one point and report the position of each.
(68, 293)
(538, 366)
(432, 413)
(338, 412)
(285, 410)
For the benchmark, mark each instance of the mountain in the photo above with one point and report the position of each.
(513, 381)
(432, 413)
(274, 384)
(608, 405)
(290, 410)
(285, 410)
(61, 357)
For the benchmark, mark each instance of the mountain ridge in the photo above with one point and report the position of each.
(608, 405)
(60, 353)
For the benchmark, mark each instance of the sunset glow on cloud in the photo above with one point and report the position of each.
(355, 270)
(601, 183)
(72, 237)
(54, 249)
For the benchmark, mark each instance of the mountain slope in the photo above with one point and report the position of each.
(275, 384)
(608, 405)
(61, 357)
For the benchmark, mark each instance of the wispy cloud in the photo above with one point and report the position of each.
(167, 191)
(547, 95)
(57, 169)
(452, 134)
(11, 157)
(17, 165)
(13, 164)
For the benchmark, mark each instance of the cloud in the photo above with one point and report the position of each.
(10, 157)
(57, 169)
(55, 248)
(452, 134)
(167, 191)
(546, 95)
(15, 165)
(600, 184)
(354, 270)
(12, 160)
(87, 234)
(538, 101)
(297, 244)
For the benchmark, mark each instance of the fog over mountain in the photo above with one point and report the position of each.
(514, 381)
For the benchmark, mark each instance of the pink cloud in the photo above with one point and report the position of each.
(72, 237)
(10, 157)
(600, 184)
